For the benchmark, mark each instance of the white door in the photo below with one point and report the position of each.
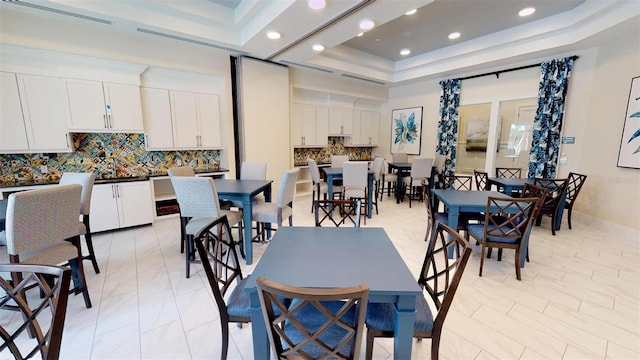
(134, 203)
(13, 135)
(104, 208)
(185, 119)
(86, 105)
(156, 114)
(45, 111)
(124, 108)
(209, 121)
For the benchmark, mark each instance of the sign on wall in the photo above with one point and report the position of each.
(406, 130)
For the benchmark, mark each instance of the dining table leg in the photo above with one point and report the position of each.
(403, 323)
(369, 195)
(258, 330)
(247, 214)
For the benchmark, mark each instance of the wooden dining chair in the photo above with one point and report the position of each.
(433, 216)
(322, 323)
(42, 315)
(507, 222)
(509, 173)
(457, 182)
(86, 180)
(439, 278)
(338, 211)
(556, 195)
(482, 180)
(221, 265)
(319, 187)
(573, 189)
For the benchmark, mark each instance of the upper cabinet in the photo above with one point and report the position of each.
(43, 118)
(366, 126)
(340, 121)
(181, 120)
(97, 106)
(310, 125)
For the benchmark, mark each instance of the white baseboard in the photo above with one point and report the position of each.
(605, 226)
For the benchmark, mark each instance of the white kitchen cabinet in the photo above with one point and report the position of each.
(44, 112)
(340, 121)
(13, 135)
(366, 126)
(119, 205)
(196, 120)
(104, 107)
(156, 114)
(310, 125)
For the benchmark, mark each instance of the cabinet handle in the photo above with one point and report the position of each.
(66, 139)
(109, 121)
(369, 140)
(117, 190)
(104, 118)
(341, 129)
(113, 191)
(303, 140)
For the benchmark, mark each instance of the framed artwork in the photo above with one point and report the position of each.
(406, 130)
(629, 155)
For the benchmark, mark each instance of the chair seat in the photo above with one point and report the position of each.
(254, 201)
(355, 193)
(238, 302)
(267, 212)
(380, 316)
(477, 231)
(196, 225)
(312, 320)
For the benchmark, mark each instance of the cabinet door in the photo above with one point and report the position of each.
(45, 112)
(134, 203)
(156, 113)
(356, 134)
(340, 121)
(185, 119)
(304, 122)
(104, 208)
(86, 105)
(369, 127)
(124, 108)
(209, 121)
(13, 135)
(321, 129)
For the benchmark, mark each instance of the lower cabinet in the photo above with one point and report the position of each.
(115, 206)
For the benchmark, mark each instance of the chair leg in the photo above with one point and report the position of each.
(499, 254)
(89, 241)
(517, 262)
(183, 224)
(435, 345)
(369, 349)
(569, 218)
(313, 198)
(187, 254)
(553, 224)
(77, 274)
(481, 259)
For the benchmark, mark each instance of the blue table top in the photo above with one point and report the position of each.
(509, 181)
(3, 212)
(322, 257)
(240, 187)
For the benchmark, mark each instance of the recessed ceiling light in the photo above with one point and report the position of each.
(317, 4)
(411, 12)
(526, 11)
(273, 35)
(318, 47)
(454, 35)
(405, 52)
(360, 34)
(367, 24)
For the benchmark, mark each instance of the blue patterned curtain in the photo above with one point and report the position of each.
(448, 123)
(547, 126)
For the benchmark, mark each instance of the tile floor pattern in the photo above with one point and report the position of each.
(578, 299)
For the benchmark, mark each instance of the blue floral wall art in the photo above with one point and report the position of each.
(406, 132)
(630, 143)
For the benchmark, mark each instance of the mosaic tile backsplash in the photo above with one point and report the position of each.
(108, 155)
(335, 147)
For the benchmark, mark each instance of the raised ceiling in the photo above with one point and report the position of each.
(491, 29)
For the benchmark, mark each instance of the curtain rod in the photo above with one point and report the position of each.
(497, 73)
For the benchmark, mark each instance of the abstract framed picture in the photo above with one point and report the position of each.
(406, 130)
(629, 155)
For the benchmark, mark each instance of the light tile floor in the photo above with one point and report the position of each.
(578, 299)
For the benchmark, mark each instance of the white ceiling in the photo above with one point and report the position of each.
(491, 29)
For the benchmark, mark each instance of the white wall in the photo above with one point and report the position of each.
(595, 113)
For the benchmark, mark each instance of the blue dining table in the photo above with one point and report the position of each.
(244, 191)
(336, 173)
(329, 257)
(402, 168)
(3, 213)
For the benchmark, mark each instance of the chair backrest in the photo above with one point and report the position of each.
(509, 173)
(314, 171)
(338, 211)
(320, 323)
(441, 273)
(421, 167)
(482, 180)
(457, 182)
(197, 196)
(253, 170)
(400, 158)
(439, 162)
(338, 160)
(287, 190)
(556, 189)
(42, 316)
(508, 219)
(354, 178)
(377, 166)
(181, 171)
(573, 187)
(428, 202)
(86, 180)
(534, 191)
(40, 219)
